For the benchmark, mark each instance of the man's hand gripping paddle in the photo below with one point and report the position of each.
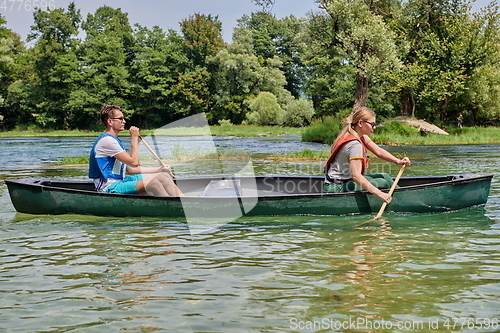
(156, 156)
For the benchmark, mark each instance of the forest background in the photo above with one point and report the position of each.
(428, 59)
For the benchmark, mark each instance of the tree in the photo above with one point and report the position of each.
(159, 62)
(444, 51)
(104, 59)
(11, 70)
(354, 32)
(265, 5)
(298, 112)
(331, 85)
(108, 21)
(237, 75)
(481, 94)
(191, 94)
(203, 37)
(53, 62)
(277, 38)
(244, 82)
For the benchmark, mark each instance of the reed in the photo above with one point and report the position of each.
(304, 155)
(177, 155)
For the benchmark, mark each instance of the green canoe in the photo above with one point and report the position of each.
(249, 196)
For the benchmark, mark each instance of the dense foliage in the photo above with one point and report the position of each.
(428, 59)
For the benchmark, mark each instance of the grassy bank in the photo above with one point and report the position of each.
(464, 136)
(233, 130)
(48, 134)
(392, 134)
(254, 131)
(398, 133)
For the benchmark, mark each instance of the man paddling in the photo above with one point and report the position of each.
(109, 160)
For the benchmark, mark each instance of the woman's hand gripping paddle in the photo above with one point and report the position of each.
(156, 156)
(391, 191)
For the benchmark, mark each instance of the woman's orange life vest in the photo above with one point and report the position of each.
(341, 142)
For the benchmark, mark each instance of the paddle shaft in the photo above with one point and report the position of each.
(155, 155)
(393, 187)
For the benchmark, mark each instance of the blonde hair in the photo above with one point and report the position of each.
(357, 115)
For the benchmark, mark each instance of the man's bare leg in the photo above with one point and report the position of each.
(158, 184)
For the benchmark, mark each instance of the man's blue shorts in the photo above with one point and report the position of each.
(126, 186)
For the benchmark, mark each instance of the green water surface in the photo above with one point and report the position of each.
(402, 273)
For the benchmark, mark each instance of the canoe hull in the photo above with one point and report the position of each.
(417, 194)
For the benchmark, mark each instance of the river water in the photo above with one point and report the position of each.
(403, 273)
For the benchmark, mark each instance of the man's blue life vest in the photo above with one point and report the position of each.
(102, 167)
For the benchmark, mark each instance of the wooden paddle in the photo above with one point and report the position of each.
(393, 187)
(155, 155)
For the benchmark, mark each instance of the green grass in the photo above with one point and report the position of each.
(74, 160)
(178, 155)
(233, 130)
(305, 155)
(254, 131)
(324, 130)
(181, 155)
(398, 133)
(464, 136)
(42, 133)
(243, 131)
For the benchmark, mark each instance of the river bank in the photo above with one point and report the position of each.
(463, 136)
(242, 131)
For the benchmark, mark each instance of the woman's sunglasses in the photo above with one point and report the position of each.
(373, 124)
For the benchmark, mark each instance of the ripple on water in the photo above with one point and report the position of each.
(100, 274)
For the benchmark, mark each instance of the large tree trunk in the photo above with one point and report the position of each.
(361, 97)
(407, 103)
(443, 114)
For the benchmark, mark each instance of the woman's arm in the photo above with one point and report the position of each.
(356, 167)
(385, 155)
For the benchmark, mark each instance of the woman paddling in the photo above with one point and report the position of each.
(348, 161)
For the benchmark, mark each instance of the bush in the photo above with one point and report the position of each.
(298, 112)
(265, 110)
(324, 130)
(225, 123)
(396, 127)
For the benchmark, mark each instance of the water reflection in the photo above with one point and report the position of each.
(126, 273)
